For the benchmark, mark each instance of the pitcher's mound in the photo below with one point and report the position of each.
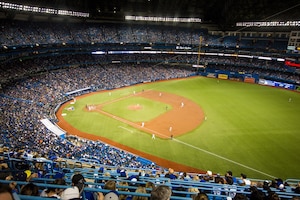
(135, 107)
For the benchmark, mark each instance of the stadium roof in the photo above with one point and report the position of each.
(224, 13)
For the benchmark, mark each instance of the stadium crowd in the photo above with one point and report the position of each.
(31, 88)
(127, 184)
(14, 33)
(20, 68)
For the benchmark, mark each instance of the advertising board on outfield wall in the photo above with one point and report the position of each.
(249, 80)
(276, 84)
(222, 76)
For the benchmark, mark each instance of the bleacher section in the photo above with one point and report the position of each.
(36, 56)
(96, 175)
(95, 181)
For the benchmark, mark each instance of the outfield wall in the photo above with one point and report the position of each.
(248, 78)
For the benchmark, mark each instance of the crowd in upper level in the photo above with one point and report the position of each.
(20, 68)
(15, 33)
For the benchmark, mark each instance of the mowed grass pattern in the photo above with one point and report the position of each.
(249, 128)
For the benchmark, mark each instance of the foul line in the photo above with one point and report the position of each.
(184, 143)
(126, 129)
(130, 123)
(221, 157)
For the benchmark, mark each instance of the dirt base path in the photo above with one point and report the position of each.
(184, 116)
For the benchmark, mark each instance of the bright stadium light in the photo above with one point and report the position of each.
(27, 8)
(98, 52)
(163, 19)
(264, 58)
(268, 24)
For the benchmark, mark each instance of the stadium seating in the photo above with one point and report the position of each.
(33, 87)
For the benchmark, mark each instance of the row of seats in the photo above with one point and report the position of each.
(181, 188)
(17, 69)
(15, 33)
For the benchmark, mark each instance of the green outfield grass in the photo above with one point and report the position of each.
(249, 128)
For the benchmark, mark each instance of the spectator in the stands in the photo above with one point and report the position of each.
(54, 192)
(256, 194)
(171, 174)
(201, 196)
(123, 186)
(140, 189)
(112, 194)
(149, 186)
(297, 188)
(5, 172)
(5, 192)
(196, 178)
(193, 190)
(161, 192)
(110, 185)
(244, 180)
(30, 189)
(74, 192)
(272, 196)
(229, 179)
(239, 196)
(178, 191)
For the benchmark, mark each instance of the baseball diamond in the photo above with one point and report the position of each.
(214, 113)
(182, 119)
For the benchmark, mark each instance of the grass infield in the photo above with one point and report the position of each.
(250, 129)
(136, 109)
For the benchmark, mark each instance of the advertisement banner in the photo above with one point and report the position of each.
(249, 80)
(222, 76)
(276, 84)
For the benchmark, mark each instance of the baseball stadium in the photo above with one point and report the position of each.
(99, 100)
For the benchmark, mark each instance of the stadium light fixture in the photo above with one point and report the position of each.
(268, 24)
(162, 19)
(36, 9)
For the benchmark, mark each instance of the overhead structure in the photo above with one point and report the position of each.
(224, 14)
